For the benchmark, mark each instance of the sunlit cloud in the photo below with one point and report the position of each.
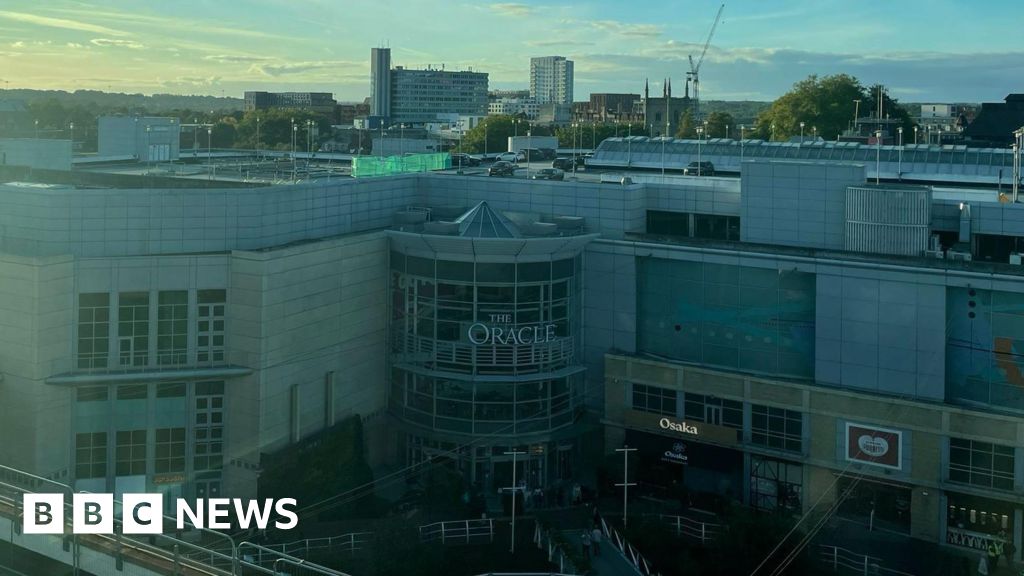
(234, 59)
(512, 9)
(113, 43)
(60, 23)
(625, 28)
(274, 70)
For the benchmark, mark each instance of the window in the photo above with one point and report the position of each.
(776, 428)
(132, 392)
(91, 455)
(209, 426)
(210, 326)
(981, 464)
(172, 327)
(170, 390)
(133, 328)
(92, 394)
(655, 400)
(93, 330)
(170, 450)
(775, 484)
(131, 452)
(713, 410)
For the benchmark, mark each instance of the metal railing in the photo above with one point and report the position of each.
(459, 531)
(545, 540)
(262, 556)
(628, 551)
(344, 543)
(846, 562)
(702, 532)
(156, 552)
(560, 351)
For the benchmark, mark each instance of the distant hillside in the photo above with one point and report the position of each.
(743, 111)
(96, 99)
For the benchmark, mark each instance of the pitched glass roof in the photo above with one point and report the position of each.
(483, 222)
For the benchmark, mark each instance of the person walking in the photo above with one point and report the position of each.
(983, 565)
(586, 543)
(995, 550)
(595, 541)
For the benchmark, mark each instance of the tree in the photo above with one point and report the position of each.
(275, 129)
(686, 125)
(719, 125)
(826, 104)
(891, 108)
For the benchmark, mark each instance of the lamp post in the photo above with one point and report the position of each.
(149, 147)
(629, 143)
(593, 135)
(209, 147)
(625, 481)
(37, 129)
(529, 145)
(856, 113)
(814, 133)
(295, 135)
(485, 138)
(801, 133)
(514, 488)
(899, 168)
(700, 138)
(71, 126)
(773, 132)
(663, 138)
(878, 154)
(915, 135)
(726, 130)
(401, 141)
(381, 139)
(257, 137)
(743, 129)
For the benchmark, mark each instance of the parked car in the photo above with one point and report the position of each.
(501, 168)
(459, 159)
(532, 154)
(704, 168)
(511, 156)
(566, 162)
(549, 174)
(547, 153)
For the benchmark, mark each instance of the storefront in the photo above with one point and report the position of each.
(973, 521)
(485, 348)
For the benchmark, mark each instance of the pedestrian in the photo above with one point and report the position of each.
(577, 494)
(586, 544)
(595, 539)
(983, 565)
(995, 550)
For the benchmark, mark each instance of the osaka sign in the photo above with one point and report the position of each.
(876, 446)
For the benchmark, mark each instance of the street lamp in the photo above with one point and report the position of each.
(629, 143)
(485, 138)
(743, 128)
(773, 131)
(814, 133)
(663, 138)
(915, 135)
(593, 135)
(899, 169)
(257, 137)
(726, 130)
(801, 133)
(37, 129)
(700, 138)
(72, 127)
(878, 154)
(856, 113)
(149, 147)
(209, 145)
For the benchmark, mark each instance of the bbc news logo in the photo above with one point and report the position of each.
(143, 513)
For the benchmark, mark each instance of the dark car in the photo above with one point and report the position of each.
(566, 162)
(501, 168)
(459, 159)
(703, 168)
(547, 153)
(549, 174)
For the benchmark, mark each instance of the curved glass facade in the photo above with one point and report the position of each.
(485, 348)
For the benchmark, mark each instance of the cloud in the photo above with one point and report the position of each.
(18, 44)
(512, 9)
(233, 59)
(198, 81)
(544, 43)
(111, 43)
(76, 45)
(60, 23)
(625, 28)
(275, 70)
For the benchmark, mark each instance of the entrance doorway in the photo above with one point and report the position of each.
(878, 505)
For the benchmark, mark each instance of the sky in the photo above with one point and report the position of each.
(923, 50)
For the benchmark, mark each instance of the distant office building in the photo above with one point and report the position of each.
(322, 102)
(409, 96)
(146, 138)
(347, 112)
(551, 80)
(996, 122)
(663, 115)
(499, 94)
(43, 153)
(554, 113)
(513, 107)
(380, 82)
(14, 118)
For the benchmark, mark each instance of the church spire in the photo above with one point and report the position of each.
(647, 89)
(670, 87)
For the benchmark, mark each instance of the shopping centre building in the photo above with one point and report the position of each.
(778, 339)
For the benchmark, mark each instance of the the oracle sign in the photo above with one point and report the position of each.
(502, 331)
(873, 445)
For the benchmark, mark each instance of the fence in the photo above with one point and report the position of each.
(846, 562)
(343, 543)
(459, 531)
(702, 532)
(547, 539)
(628, 551)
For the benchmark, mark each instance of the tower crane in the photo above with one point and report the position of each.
(694, 74)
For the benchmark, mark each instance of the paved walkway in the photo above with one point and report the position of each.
(571, 522)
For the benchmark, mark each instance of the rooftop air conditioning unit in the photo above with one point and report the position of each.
(963, 256)
(1015, 258)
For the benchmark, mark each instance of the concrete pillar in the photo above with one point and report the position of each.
(925, 514)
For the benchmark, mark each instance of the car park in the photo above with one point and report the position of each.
(549, 174)
(460, 160)
(501, 168)
(511, 156)
(699, 168)
(566, 162)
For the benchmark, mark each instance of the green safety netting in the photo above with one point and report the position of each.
(365, 166)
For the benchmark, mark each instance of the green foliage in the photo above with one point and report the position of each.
(323, 465)
(720, 125)
(275, 129)
(687, 127)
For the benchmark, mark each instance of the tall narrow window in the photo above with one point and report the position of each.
(131, 452)
(93, 330)
(133, 328)
(210, 326)
(170, 450)
(209, 426)
(172, 327)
